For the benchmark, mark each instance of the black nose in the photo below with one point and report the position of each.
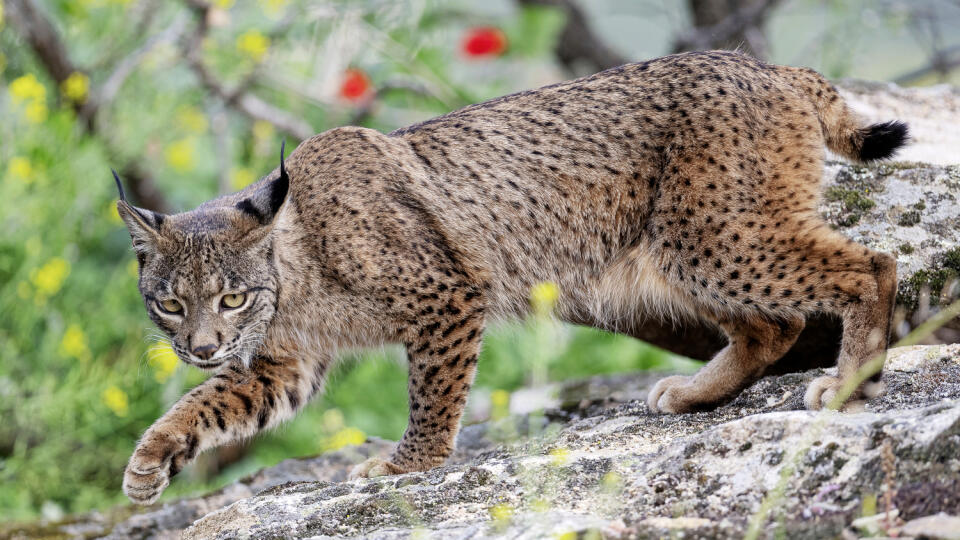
(204, 352)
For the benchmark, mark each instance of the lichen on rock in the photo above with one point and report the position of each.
(609, 466)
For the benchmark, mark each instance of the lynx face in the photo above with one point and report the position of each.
(207, 277)
(215, 304)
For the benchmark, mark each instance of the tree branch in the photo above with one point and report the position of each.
(364, 111)
(44, 40)
(941, 63)
(578, 45)
(46, 43)
(719, 34)
(238, 98)
(125, 67)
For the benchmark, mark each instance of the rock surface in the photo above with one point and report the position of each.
(597, 460)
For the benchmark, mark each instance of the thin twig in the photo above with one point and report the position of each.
(238, 98)
(45, 41)
(709, 37)
(221, 146)
(125, 67)
(941, 62)
(578, 44)
(364, 111)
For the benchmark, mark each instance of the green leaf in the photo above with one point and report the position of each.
(536, 31)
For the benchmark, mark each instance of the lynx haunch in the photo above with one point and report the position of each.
(685, 186)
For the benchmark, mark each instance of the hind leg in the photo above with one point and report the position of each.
(866, 326)
(753, 346)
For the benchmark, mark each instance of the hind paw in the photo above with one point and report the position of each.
(374, 467)
(666, 395)
(822, 393)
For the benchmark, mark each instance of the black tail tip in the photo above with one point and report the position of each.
(880, 141)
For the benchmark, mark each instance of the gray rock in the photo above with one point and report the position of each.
(605, 465)
(937, 527)
(611, 467)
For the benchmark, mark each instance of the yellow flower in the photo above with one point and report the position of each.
(500, 401)
(501, 513)
(27, 88)
(611, 482)
(254, 44)
(192, 119)
(272, 7)
(74, 343)
(543, 297)
(76, 87)
(163, 361)
(223, 4)
(540, 505)
(36, 112)
(179, 155)
(21, 169)
(116, 400)
(263, 130)
(566, 536)
(348, 436)
(241, 177)
(559, 456)
(50, 277)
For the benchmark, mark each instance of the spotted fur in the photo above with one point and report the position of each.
(685, 186)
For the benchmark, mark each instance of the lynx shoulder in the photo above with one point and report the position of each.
(685, 186)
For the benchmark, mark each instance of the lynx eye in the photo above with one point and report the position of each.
(170, 306)
(233, 301)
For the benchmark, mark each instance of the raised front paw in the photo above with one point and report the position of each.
(376, 467)
(150, 468)
(670, 395)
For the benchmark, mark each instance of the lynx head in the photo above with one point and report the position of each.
(207, 276)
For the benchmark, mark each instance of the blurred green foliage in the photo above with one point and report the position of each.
(80, 376)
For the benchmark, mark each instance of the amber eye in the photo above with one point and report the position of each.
(233, 301)
(170, 306)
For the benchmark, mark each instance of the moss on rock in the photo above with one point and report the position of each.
(853, 204)
(945, 270)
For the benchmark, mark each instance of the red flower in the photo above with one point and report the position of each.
(484, 41)
(355, 86)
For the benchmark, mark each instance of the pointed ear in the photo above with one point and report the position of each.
(264, 204)
(144, 225)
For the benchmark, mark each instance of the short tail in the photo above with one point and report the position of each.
(844, 130)
(878, 141)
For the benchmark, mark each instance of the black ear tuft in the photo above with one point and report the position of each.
(123, 196)
(266, 201)
(281, 185)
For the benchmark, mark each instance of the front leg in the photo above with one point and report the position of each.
(232, 404)
(443, 360)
